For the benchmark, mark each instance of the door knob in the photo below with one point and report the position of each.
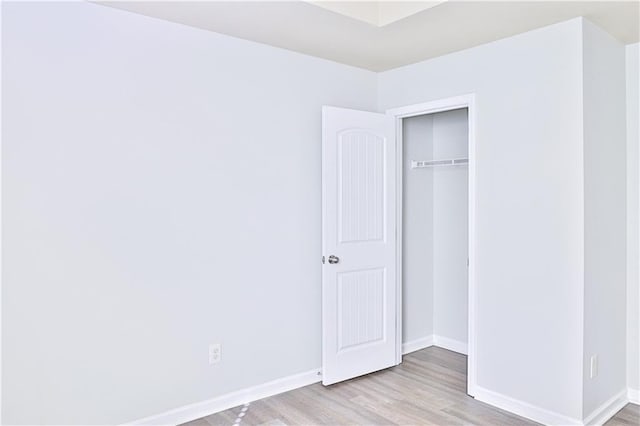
(334, 259)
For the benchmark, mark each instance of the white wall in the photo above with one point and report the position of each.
(417, 231)
(152, 175)
(529, 208)
(633, 180)
(435, 238)
(605, 216)
(450, 227)
(160, 192)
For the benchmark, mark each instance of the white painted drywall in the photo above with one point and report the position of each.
(417, 232)
(435, 238)
(529, 205)
(160, 193)
(154, 174)
(633, 180)
(450, 227)
(605, 236)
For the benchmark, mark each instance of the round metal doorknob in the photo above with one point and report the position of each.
(334, 259)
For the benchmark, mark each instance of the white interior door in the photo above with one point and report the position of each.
(359, 294)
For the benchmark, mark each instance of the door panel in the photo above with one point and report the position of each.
(360, 186)
(359, 284)
(360, 308)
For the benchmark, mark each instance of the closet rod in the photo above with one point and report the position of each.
(437, 163)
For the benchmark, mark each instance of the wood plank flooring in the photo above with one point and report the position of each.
(628, 416)
(428, 388)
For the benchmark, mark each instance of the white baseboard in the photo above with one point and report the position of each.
(452, 345)
(224, 402)
(523, 409)
(434, 340)
(600, 415)
(416, 345)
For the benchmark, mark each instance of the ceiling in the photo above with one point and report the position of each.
(381, 35)
(378, 13)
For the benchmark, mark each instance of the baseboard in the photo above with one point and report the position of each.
(452, 345)
(600, 415)
(224, 402)
(416, 345)
(523, 409)
(435, 340)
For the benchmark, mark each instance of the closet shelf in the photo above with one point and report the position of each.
(437, 163)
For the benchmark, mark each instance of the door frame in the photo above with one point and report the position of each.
(440, 105)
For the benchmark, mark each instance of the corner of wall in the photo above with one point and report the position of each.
(377, 94)
(605, 228)
(632, 68)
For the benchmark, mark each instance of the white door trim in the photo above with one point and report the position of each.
(464, 101)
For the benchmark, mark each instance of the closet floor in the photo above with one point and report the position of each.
(428, 388)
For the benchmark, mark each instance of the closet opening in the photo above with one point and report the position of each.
(436, 193)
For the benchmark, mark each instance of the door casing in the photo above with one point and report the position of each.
(441, 105)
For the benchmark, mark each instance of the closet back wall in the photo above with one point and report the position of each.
(435, 222)
(154, 177)
(450, 227)
(417, 230)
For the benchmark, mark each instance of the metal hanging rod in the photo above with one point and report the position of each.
(437, 163)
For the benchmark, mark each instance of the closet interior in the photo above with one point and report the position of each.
(435, 229)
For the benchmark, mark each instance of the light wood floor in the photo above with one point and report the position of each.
(428, 388)
(628, 416)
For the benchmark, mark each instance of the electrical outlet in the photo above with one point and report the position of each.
(594, 366)
(215, 353)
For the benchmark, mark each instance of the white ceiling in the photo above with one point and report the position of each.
(378, 13)
(388, 34)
